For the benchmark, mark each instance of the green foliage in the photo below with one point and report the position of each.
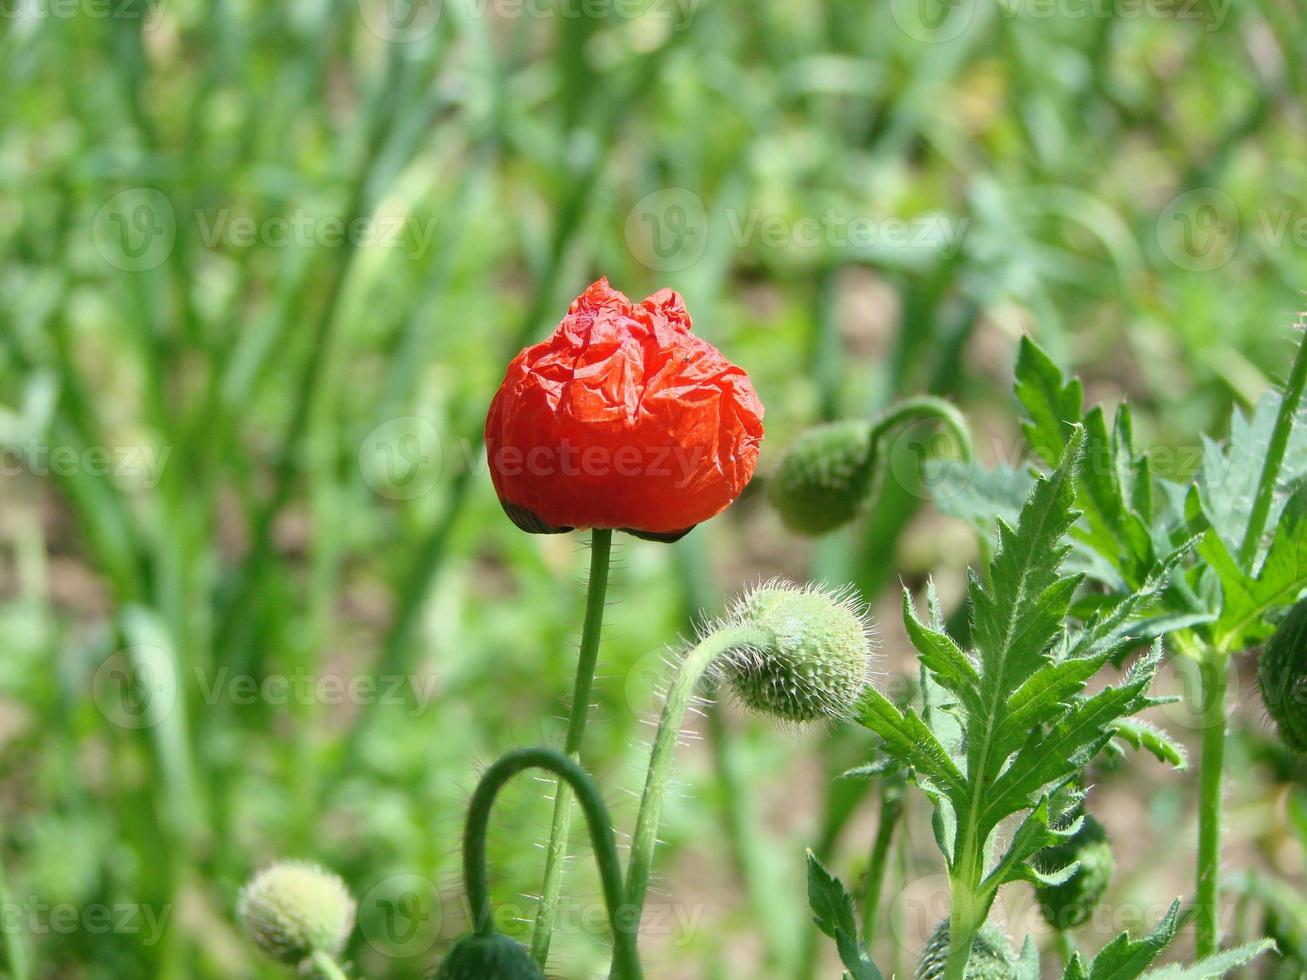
(1070, 903)
(1126, 959)
(833, 912)
(1025, 727)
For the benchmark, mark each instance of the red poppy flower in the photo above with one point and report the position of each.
(622, 419)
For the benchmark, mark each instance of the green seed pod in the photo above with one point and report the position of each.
(991, 955)
(1070, 904)
(816, 658)
(1282, 674)
(294, 909)
(488, 957)
(824, 479)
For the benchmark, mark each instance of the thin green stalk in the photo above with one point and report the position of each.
(920, 408)
(601, 540)
(891, 810)
(1212, 670)
(1066, 947)
(624, 924)
(1275, 452)
(688, 675)
(327, 967)
(15, 951)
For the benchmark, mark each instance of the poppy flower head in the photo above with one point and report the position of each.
(622, 419)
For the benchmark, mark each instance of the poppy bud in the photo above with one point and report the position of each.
(824, 479)
(1282, 675)
(487, 957)
(1071, 903)
(293, 910)
(991, 955)
(815, 659)
(622, 419)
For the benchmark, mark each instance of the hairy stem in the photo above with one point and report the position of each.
(1274, 458)
(601, 540)
(688, 675)
(1212, 672)
(327, 967)
(921, 408)
(626, 962)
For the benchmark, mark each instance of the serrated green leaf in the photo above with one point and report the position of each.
(1228, 480)
(1215, 966)
(833, 912)
(1068, 746)
(1109, 527)
(1017, 616)
(952, 668)
(870, 771)
(1052, 406)
(1125, 958)
(1247, 599)
(1147, 736)
(907, 738)
(1034, 834)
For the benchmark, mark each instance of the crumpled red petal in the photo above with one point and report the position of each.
(624, 419)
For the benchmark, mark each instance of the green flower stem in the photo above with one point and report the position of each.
(601, 541)
(924, 407)
(965, 915)
(1275, 452)
(1066, 947)
(327, 967)
(624, 923)
(1212, 671)
(688, 675)
(891, 810)
(15, 948)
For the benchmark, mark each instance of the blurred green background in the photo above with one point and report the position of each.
(263, 267)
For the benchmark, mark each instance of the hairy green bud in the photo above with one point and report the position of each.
(1282, 675)
(294, 909)
(1071, 903)
(487, 957)
(991, 955)
(824, 479)
(815, 657)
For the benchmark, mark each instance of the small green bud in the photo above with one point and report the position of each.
(1282, 674)
(294, 909)
(816, 658)
(1070, 904)
(991, 955)
(489, 957)
(824, 479)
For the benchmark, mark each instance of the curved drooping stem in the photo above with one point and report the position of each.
(624, 924)
(688, 674)
(601, 540)
(921, 408)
